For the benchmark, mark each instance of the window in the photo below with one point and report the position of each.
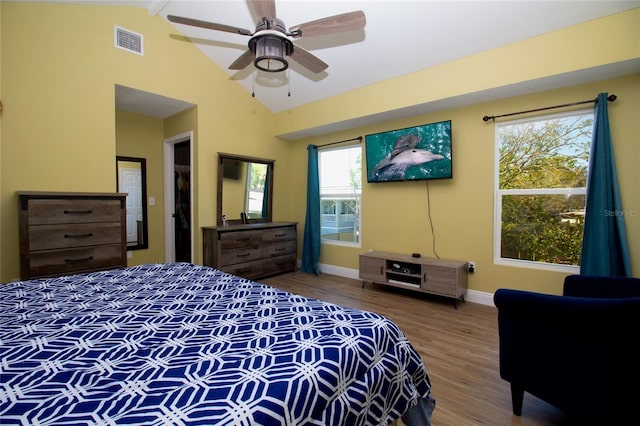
(256, 182)
(541, 179)
(340, 189)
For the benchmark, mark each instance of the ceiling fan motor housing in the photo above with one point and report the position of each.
(274, 24)
(270, 49)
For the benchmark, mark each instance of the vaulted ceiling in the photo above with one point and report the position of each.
(400, 37)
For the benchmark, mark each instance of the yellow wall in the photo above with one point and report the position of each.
(604, 41)
(59, 69)
(141, 136)
(395, 215)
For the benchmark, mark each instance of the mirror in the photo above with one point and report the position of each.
(245, 185)
(131, 178)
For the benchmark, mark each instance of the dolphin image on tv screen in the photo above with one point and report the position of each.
(404, 155)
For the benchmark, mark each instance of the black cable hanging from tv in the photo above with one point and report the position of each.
(610, 98)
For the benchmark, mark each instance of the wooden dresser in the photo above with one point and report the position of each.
(63, 233)
(253, 250)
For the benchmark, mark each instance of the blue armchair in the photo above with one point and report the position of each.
(578, 352)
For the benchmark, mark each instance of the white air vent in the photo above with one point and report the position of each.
(128, 40)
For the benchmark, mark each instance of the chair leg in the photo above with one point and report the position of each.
(517, 396)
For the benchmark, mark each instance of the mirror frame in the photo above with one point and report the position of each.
(145, 219)
(270, 164)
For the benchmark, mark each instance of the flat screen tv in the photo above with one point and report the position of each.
(230, 169)
(414, 153)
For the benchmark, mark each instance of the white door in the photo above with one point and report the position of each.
(131, 184)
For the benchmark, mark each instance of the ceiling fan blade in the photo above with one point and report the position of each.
(308, 60)
(333, 24)
(208, 25)
(243, 61)
(264, 8)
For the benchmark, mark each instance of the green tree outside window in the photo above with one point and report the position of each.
(541, 194)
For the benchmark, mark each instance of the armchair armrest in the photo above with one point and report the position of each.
(601, 287)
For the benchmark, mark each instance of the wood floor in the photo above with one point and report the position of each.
(458, 346)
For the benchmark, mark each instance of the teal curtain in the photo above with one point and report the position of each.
(311, 240)
(265, 193)
(604, 247)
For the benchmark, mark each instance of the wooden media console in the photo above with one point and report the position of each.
(441, 277)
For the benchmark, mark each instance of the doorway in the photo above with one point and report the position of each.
(182, 200)
(178, 199)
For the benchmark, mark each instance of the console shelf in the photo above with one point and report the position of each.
(446, 278)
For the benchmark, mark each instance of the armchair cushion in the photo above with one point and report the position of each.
(577, 353)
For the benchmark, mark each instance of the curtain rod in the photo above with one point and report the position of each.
(610, 98)
(359, 138)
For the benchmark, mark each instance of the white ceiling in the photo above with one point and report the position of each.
(400, 37)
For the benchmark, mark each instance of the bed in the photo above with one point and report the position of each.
(184, 344)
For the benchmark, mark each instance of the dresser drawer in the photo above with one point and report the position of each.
(279, 249)
(50, 211)
(230, 240)
(45, 237)
(279, 264)
(245, 270)
(239, 255)
(279, 234)
(60, 262)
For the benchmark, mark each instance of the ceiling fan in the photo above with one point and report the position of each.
(270, 44)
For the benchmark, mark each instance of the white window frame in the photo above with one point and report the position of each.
(357, 244)
(498, 193)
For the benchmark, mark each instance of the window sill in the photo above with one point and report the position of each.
(571, 269)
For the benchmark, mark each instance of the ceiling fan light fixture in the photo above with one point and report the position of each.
(270, 52)
(271, 43)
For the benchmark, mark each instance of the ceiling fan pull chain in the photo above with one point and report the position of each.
(288, 82)
(253, 84)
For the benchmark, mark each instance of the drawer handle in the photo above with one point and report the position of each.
(280, 235)
(242, 271)
(78, 211)
(243, 255)
(242, 239)
(280, 249)
(90, 234)
(82, 259)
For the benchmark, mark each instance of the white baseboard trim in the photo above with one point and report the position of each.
(339, 271)
(480, 297)
(474, 296)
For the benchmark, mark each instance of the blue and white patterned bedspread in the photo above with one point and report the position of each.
(180, 344)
